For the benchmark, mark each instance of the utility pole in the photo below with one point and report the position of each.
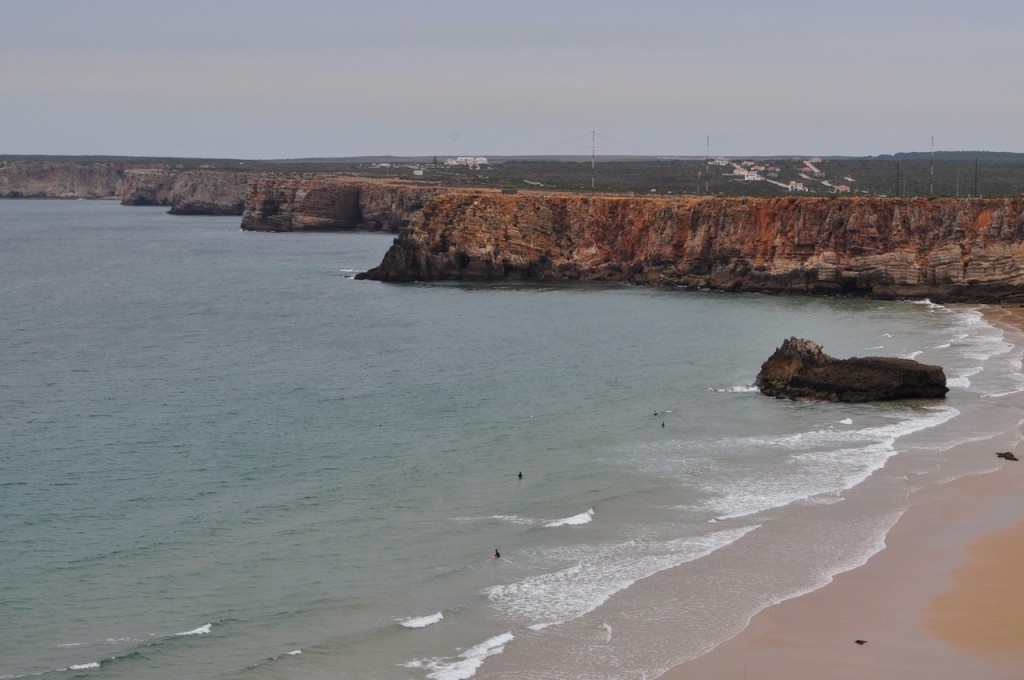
(593, 152)
(931, 184)
(897, 178)
(707, 159)
(976, 177)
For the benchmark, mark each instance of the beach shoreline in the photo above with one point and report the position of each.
(932, 603)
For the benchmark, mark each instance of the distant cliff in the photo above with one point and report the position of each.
(945, 249)
(208, 192)
(146, 186)
(187, 192)
(331, 203)
(60, 179)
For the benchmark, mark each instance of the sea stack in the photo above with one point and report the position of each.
(799, 369)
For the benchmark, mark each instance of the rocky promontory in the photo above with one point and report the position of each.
(799, 369)
(945, 249)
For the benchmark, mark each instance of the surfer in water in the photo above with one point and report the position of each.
(520, 475)
(497, 555)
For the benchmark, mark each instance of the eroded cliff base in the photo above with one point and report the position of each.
(943, 249)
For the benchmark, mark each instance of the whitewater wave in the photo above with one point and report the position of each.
(734, 389)
(421, 621)
(465, 665)
(83, 666)
(575, 520)
(550, 599)
(815, 471)
(201, 630)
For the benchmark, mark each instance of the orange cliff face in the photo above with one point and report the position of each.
(945, 249)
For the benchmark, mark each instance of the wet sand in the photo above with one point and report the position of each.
(944, 599)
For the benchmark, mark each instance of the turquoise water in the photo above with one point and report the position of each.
(223, 457)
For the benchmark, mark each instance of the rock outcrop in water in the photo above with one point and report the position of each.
(799, 369)
(945, 249)
(331, 203)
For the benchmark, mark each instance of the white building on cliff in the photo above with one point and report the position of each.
(467, 161)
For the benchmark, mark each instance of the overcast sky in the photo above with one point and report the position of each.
(302, 78)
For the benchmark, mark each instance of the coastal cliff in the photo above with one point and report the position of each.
(208, 192)
(187, 192)
(59, 179)
(331, 203)
(945, 249)
(146, 186)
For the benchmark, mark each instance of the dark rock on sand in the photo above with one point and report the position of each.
(1007, 455)
(800, 370)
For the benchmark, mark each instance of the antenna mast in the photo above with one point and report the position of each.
(707, 157)
(931, 185)
(593, 151)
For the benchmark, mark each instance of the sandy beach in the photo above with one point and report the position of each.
(943, 599)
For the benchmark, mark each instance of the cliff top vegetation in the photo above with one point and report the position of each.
(946, 174)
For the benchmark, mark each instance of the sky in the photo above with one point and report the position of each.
(261, 79)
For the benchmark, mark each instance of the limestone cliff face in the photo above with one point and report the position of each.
(946, 249)
(147, 186)
(331, 203)
(208, 192)
(390, 207)
(59, 179)
(194, 192)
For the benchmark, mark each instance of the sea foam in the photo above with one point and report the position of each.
(819, 462)
(553, 598)
(201, 630)
(421, 621)
(582, 518)
(465, 665)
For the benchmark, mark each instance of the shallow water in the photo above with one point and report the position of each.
(224, 457)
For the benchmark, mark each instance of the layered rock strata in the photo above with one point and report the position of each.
(146, 186)
(208, 192)
(60, 179)
(799, 369)
(187, 192)
(945, 249)
(331, 203)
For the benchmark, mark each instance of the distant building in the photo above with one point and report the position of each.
(797, 186)
(842, 188)
(467, 161)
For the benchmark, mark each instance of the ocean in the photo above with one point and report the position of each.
(224, 457)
